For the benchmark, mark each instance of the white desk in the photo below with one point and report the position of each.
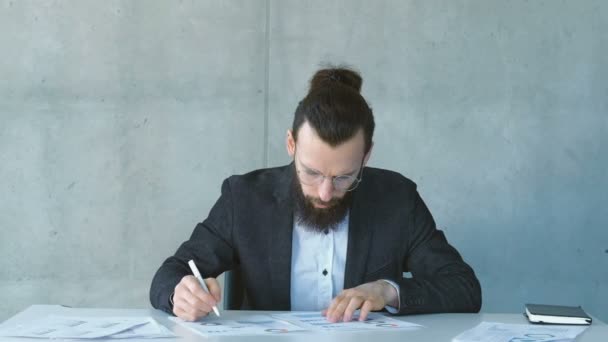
(438, 327)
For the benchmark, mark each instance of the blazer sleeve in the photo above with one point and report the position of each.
(441, 281)
(210, 246)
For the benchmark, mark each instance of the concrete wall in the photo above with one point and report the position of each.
(119, 119)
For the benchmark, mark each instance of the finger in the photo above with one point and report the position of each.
(187, 301)
(185, 297)
(365, 309)
(197, 290)
(327, 312)
(338, 312)
(181, 314)
(186, 315)
(353, 305)
(196, 308)
(332, 307)
(214, 288)
(194, 304)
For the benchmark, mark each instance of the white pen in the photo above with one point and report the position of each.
(197, 274)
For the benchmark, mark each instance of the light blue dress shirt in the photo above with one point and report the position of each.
(317, 266)
(318, 260)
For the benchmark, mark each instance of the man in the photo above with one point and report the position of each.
(325, 232)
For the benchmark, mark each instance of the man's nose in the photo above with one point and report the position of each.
(326, 189)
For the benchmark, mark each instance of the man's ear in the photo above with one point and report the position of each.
(290, 144)
(368, 154)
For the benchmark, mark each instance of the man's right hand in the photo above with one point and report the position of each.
(191, 302)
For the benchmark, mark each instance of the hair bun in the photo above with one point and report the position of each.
(332, 76)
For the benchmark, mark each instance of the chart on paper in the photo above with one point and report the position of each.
(374, 321)
(252, 325)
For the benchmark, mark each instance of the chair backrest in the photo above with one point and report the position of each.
(234, 290)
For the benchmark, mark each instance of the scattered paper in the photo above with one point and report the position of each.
(374, 321)
(500, 332)
(252, 325)
(149, 330)
(289, 323)
(73, 327)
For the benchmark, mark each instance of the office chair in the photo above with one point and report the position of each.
(234, 290)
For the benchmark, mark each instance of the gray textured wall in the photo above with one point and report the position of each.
(119, 119)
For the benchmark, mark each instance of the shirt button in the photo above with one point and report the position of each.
(325, 272)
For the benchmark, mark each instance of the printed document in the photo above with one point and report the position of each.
(72, 327)
(251, 325)
(499, 332)
(374, 321)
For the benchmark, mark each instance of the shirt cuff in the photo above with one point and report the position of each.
(389, 308)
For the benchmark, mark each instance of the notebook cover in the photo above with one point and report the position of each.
(557, 310)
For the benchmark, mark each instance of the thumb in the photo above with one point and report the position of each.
(214, 288)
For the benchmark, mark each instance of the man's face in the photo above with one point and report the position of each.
(321, 205)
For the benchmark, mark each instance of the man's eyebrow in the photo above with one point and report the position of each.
(309, 168)
(351, 173)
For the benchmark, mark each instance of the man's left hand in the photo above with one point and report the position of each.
(368, 297)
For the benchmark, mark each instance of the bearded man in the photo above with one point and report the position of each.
(323, 233)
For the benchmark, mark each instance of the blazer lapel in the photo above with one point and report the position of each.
(359, 239)
(280, 231)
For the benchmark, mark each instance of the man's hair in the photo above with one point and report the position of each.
(335, 108)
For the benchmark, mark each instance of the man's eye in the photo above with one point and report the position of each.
(343, 179)
(312, 173)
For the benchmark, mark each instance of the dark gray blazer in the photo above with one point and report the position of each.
(391, 231)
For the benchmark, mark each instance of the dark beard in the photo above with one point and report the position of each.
(319, 219)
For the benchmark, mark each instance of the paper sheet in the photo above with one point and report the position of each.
(251, 325)
(374, 321)
(150, 330)
(500, 332)
(71, 327)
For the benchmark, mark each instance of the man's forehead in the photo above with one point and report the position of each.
(327, 159)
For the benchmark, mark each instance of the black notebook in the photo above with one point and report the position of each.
(556, 314)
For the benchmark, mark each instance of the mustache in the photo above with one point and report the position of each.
(331, 203)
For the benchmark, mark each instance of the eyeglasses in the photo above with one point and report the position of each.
(342, 183)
